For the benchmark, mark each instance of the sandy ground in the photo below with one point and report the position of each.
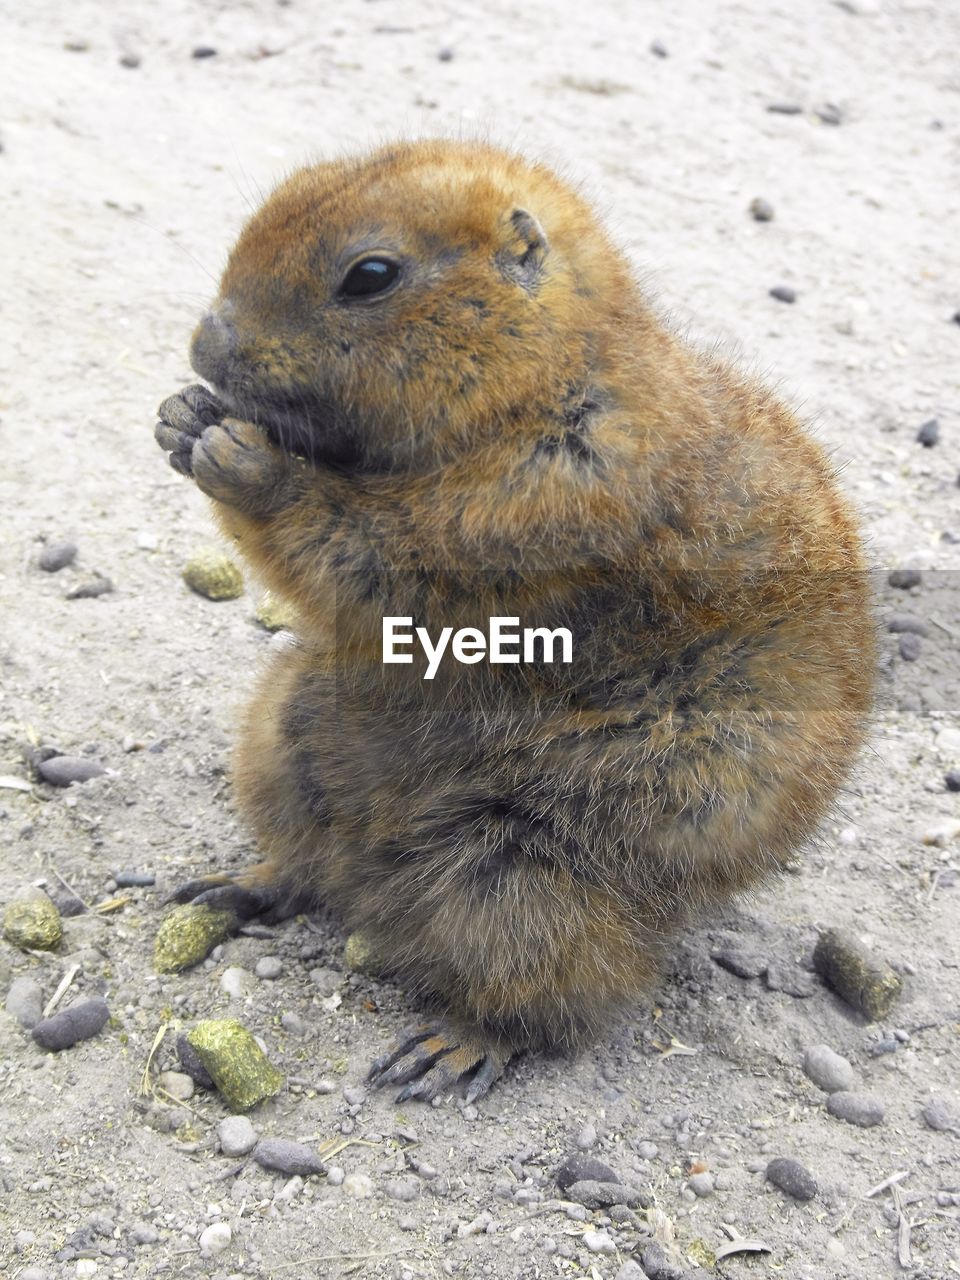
(122, 188)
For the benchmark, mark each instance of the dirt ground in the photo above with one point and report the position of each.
(127, 166)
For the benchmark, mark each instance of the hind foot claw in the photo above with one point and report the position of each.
(429, 1059)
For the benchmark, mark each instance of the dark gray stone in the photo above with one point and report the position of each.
(61, 771)
(70, 1026)
(56, 556)
(792, 1177)
(288, 1157)
(581, 1168)
(856, 1108)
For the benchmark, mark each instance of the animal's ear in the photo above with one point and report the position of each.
(524, 250)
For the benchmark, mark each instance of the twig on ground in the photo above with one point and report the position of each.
(887, 1182)
(58, 995)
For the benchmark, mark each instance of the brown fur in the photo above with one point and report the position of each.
(511, 431)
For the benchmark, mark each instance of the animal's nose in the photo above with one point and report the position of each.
(212, 347)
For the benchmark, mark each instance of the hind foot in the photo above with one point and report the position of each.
(255, 891)
(429, 1059)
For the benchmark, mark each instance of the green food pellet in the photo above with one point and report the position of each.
(864, 983)
(213, 575)
(273, 614)
(242, 1072)
(188, 935)
(32, 922)
(361, 954)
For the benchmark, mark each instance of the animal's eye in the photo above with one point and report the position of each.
(371, 275)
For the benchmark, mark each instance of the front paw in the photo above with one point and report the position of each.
(183, 419)
(231, 461)
(236, 463)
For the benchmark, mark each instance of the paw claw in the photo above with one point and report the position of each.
(429, 1060)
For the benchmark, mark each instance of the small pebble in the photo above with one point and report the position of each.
(701, 1184)
(783, 293)
(236, 982)
(237, 1135)
(792, 1177)
(827, 1069)
(908, 623)
(582, 1168)
(940, 1115)
(335, 1176)
(784, 109)
(32, 922)
(929, 434)
(354, 1094)
(740, 959)
(403, 1189)
(630, 1271)
(56, 556)
(134, 879)
(191, 1064)
(97, 585)
(856, 1108)
(829, 113)
(910, 647)
(61, 771)
(70, 1026)
(178, 1084)
(204, 51)
(904, 579)
(143, 1233)
(475, 1228)
(659, 49)
(761, 210)
(25, 1001)
(446, 54)
(214, 1239)
(951, 780)
(293, 1024)
(269, 967)
(213, 575)
(865, 983)
(587, 1137)
(288, 1157)
(599, 1242)
(129, 60)
(358, 1185)
(601, 1195)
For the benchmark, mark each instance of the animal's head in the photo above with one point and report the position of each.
(377, 313)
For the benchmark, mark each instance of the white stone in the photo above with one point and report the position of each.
(237, 1135)
(358, 1185)
(599, 1242)
(236, 982)
(214, 1239)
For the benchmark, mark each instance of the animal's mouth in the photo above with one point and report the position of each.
(300, 423)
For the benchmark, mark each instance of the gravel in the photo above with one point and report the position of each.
(599, 1242)
(269, 967)
(601, 1195)
(657, 1265)
(56, 556)
(287, 1156)
(587, 1137)
(70, 1026)
(761, 210)
(582, 1168)
(792, 1177)
(61, 771)
(828, 1069)
(909, 623)
(939, 1114)
(96, 585)
(134, 879)
(178, 1084)
(236, 1135)
(236, 982)
(910, 647)
(214, 1239)
(783, 293)
(856, 1108)
(404, 1190)
(359, 1186)
(701, 1184)
(25, 1001)
(904, 579)
(951, 780)
(929, 433)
